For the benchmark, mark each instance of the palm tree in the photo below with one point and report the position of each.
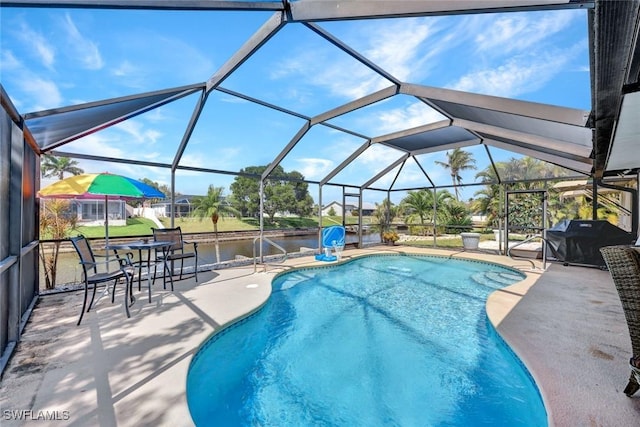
(384, 213)
(457, 161)
(53, 166)
(417, 204)
(487, 200)
(212, 206)
(420, 204)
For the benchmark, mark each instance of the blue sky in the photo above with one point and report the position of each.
(59, 57)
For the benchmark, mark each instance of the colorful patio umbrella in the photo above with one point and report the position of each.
(98, 186)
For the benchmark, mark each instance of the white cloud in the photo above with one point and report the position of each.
(38, 45)
(519, 74)
(314, 168)
(45, 92)
(35, 92)
(223, 158)
(519, 32)
(415, 114)
(410, 177)
(110, 144)
(156, 115)
(323, 67)
(380, 156)
(136, 130)
(99, 143)
(154, 56)
(125, 69)
(130, 75)
(9, 61)
(397, 47)
(195, 160)
(86, 50)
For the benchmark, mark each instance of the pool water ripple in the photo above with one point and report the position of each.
(381, 340)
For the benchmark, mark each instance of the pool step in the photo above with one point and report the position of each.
(490, 278)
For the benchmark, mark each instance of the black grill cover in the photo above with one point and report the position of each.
(579, 241)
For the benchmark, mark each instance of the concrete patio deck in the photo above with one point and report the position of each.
(566, 324)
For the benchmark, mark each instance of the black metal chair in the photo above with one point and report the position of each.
(175, 252)
(93, 277)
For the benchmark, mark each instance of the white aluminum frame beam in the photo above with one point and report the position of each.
(553, 113)
(345, 163)
(352, 52)
(180, 93)
(569, 147)
(413, 131)
(150, 4)
(259, 38)
(449, 146)
(298, 136)
(323, 10)
(189, 130)
(356, 104)
(386, 170)
(423, 171)
(574, 165)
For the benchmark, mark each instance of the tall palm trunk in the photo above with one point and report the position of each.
(455, 186)
(214, 218)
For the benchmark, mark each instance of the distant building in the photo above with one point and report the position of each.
(367, 208)
(91, 212)
(183, 206)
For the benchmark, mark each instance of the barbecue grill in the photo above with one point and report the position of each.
(579, 241)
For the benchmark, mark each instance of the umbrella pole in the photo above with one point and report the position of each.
(106, 227)
(106, 235)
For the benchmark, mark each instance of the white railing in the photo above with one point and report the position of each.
(544, 251)
(275, 245)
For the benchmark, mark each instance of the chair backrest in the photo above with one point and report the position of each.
(173, 235)
(624, 266)
(85, 253)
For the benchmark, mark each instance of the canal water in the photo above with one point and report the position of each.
(69, 271)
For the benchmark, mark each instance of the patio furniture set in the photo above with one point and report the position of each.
(168, 247)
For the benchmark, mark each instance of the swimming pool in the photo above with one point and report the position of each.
(380, 340)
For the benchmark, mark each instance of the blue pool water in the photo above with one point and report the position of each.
(381, 340)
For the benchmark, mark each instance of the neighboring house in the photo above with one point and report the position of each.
(91, 212)
(337, 209)
(183, 206)
(367, 208)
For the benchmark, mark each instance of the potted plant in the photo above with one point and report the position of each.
(470, 240)
(390, 237)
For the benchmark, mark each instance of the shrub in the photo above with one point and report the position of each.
(390, 236)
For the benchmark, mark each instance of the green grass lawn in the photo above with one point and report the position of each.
(142, 226)
(134, 227)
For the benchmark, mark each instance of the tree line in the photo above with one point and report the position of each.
(286, 193)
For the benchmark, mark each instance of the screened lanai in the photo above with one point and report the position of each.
(363, 98)
(433, 121)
